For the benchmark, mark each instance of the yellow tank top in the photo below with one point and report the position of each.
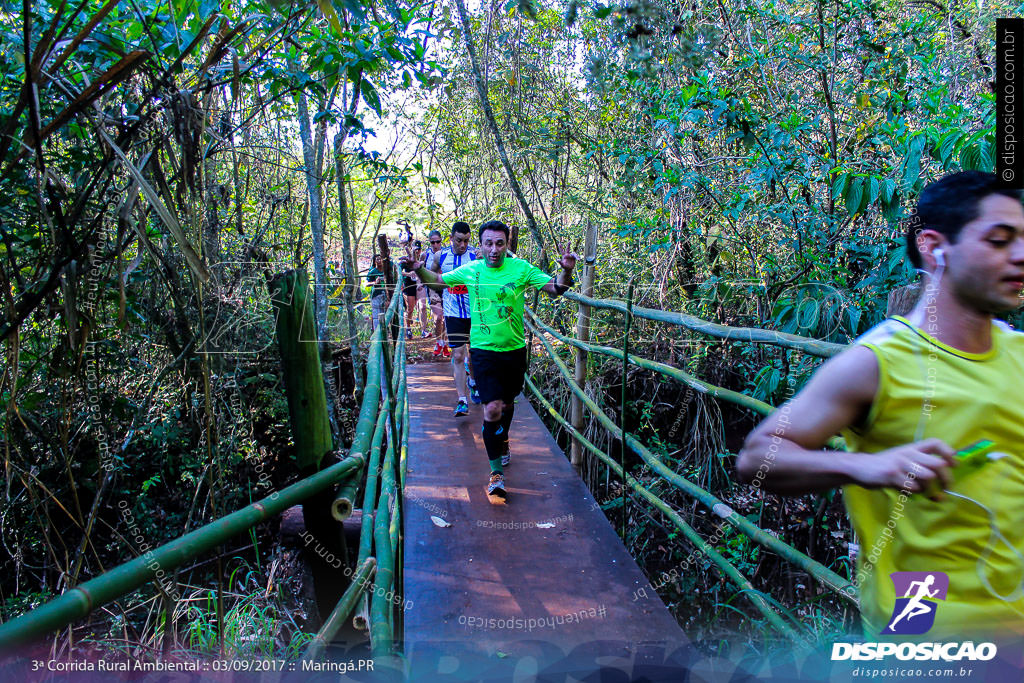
(928, 389)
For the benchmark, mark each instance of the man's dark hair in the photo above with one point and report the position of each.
(461, 227)
(494, 225)
(949, 204)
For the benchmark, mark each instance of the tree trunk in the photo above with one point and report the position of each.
(315, 221)
(316, 226)
(485, 104)
(349, 265)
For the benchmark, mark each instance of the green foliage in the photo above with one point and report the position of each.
(254, 626)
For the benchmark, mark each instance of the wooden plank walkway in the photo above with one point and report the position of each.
(499, 593)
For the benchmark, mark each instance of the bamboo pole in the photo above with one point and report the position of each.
(752, 335)
(360, 581)
(381, 635)
(583, 333)
(79, 601)
(829, 578)
(373, 468)
(300, 363)
(755, 596)
(622, 401)
(344, 501)
(734, 397)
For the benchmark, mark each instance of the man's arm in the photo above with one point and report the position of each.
(429, 278)
(559, 285)
(784, 452)
(434, 281)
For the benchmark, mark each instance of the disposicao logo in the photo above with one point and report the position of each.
(917, 594)
(914, 613)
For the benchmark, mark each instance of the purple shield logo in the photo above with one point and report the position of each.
(916, 596)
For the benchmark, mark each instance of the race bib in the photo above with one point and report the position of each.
(459, 289)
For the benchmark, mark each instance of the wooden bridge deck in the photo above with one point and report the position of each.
(500, 593)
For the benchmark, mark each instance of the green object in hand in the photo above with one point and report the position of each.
(978, 453)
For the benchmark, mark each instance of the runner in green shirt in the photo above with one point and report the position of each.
(497, 346)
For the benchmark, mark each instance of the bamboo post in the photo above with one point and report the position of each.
(307, 409)
(583, 333)
(373, 469)
(300, 363)
(333, 623)
(622, 404)
(529, 334)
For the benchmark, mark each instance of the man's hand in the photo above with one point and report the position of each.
(409, 262)
(912, 467)
(568, 258)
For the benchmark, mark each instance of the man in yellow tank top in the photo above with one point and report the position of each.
(910, 394)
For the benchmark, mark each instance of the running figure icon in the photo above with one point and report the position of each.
(916, 606)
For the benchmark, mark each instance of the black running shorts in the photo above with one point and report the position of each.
(498, 374)
(458, 331)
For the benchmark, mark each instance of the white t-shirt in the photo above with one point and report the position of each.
(456, 299)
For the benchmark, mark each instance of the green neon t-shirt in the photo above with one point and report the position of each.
(496, 301)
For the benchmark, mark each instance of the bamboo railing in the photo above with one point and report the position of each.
(752, 335)
(734, 575)
(540, 331)
(381, 532)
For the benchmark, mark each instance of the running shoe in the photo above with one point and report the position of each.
(437, 350)
(426, 334)
(408, 334)
(461, 408)
(474, 395)
(446, 351)
(496, 489)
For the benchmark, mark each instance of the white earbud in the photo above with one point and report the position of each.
(940, 260)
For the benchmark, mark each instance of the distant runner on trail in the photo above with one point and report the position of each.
(906, 396)
(375, 276)
(441, 347)
(410, 290)
(496, 288)
(456, 312)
